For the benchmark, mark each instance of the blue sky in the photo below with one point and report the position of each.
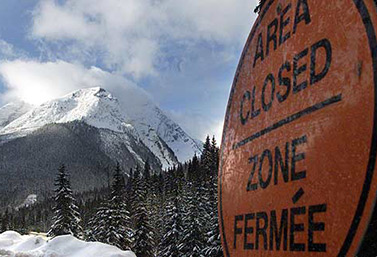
(182, 53)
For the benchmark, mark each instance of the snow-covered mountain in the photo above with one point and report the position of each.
(137, 117)
(94, 106)
(12, 111)
(89, 131)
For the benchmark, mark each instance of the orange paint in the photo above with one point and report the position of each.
(299, 142)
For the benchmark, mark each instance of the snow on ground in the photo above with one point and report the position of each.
(13, 244)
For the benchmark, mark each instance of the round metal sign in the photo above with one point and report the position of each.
(297, 172)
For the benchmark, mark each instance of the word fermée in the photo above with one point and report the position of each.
(299, 230)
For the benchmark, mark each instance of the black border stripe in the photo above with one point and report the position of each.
(360, 5)
(290, 119)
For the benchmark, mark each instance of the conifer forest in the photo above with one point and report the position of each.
(168, 214)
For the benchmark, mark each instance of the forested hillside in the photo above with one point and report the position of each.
(171, 213)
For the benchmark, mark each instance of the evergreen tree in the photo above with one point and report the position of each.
(175, 210)
(193, 241)
(215, 156)
(193, 171)
(129, 192)
(147, 171)
(143, 236)
(156, 208)
(213, 247)
(67, 217)
(173, 226)
(206, 159)
(213, 242)
(4, 221)
(112, 223)
(209, 160)
(97, 225)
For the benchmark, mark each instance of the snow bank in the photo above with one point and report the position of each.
(13, 244)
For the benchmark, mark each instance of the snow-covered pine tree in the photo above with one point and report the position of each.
(206, 161)
(173, 226)
(143, 236)
(156, 208)
(97, 224)
(129, 192)
(67, 217)
(112, 223)
(193, 241)
(213, 247)
(215, 156)
(194, 170)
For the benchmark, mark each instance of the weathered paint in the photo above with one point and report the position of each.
(300, 135)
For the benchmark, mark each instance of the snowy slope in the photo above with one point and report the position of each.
(13, 244)
(152, 123)
(12, 111)
(95, 106)
(136, 115)
(155, 126)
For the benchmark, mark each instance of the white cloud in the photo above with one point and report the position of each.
(131, 35)
(182, 49)
(8, 51)
(35, 82)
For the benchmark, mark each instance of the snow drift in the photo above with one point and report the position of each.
(13, 244)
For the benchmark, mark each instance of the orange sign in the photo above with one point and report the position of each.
(297, 172)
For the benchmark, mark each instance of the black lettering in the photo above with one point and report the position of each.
(259, 51)
(269, 78)
(284, 81)
(324, 43)
(281, 233)
(254, 113)
(250, 186)
(297, 157)
(283, 24)
(261, 230)
(283, 166)
(315, 226)
(237, 230)
(271, 36)
(298, 70)
(243, 118)
(303, 16)
(248, 230)
(266, 183)
(294, 227)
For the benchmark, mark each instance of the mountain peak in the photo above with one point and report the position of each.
(134, 114)
(95, 106)
(90, 92)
